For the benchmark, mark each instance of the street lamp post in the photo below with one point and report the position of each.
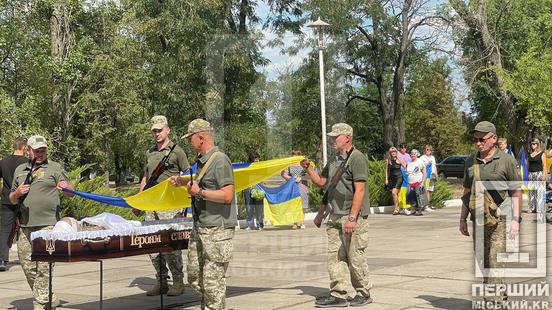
(318, 28)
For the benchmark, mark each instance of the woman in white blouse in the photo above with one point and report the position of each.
(416, 172)
(431, 171)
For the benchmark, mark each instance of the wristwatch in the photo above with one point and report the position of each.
(351, 218)
(516, 218)
(200, 193)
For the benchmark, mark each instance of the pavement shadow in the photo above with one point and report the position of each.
(27, 303)
(8, 267)
(143, 283)
(447, 302)
(140, 301)
(313, 291)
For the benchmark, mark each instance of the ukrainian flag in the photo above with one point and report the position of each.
(524, 172)
(164, 196)
(404, 189)
(283, 205)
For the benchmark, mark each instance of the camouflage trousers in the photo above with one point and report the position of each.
(348, 258)
(494, 242)
(169, 261)
(209, 253)
(37, 273)
(163, 262)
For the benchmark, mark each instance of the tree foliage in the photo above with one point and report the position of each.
(431, 117)
(506, 45)
(89, 75)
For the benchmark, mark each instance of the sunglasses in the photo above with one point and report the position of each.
(475, 139)
(534, 143)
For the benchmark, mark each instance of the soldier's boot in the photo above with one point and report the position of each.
(159, 288)
(177, 288)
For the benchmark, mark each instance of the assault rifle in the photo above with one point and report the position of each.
(325, 210)
(195, 214)
(17, 223)
(159, 169)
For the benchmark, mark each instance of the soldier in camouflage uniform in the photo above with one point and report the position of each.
(493, 165)
(347, 226)
(39, 205)
(177, 162)
(215, 217)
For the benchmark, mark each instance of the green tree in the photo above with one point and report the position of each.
(376, 40)
(505, 49)
(431, 117)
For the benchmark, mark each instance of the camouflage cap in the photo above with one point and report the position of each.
(484, 126)
(159, 122)
(36, 142)
(197, 125)
(341, 129)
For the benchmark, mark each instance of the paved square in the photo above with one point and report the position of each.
(416, 263)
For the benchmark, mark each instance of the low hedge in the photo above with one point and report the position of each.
(80, 208)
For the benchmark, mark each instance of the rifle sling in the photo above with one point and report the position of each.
(200, 176)
(204, 168)
(495, 196)
(160, 166)
(333, 184)
(340, 168)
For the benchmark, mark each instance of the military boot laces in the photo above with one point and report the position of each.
(177, 288)
(158, 289)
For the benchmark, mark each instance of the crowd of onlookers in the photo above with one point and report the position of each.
(411, 177)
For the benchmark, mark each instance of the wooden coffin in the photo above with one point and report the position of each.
(109, 247)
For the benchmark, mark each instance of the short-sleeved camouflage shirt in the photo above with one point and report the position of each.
(41, 205)
(501, 167)
(177, 161)
(218, 175)
(341, 199)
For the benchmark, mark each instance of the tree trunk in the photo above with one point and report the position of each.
(400, 68)
(60, 45)
(388, 112)
(106, 160)
(402, 131)
(489, 49)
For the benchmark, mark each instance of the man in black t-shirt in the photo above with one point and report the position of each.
(8, 210)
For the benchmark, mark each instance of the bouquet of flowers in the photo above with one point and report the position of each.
(257, 194)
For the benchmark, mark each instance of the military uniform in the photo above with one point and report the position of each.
(39, 210)
(348, 253)
(501, 167)
(176, 162)
(210, 248)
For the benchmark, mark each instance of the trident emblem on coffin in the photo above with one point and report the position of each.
(50, 246)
